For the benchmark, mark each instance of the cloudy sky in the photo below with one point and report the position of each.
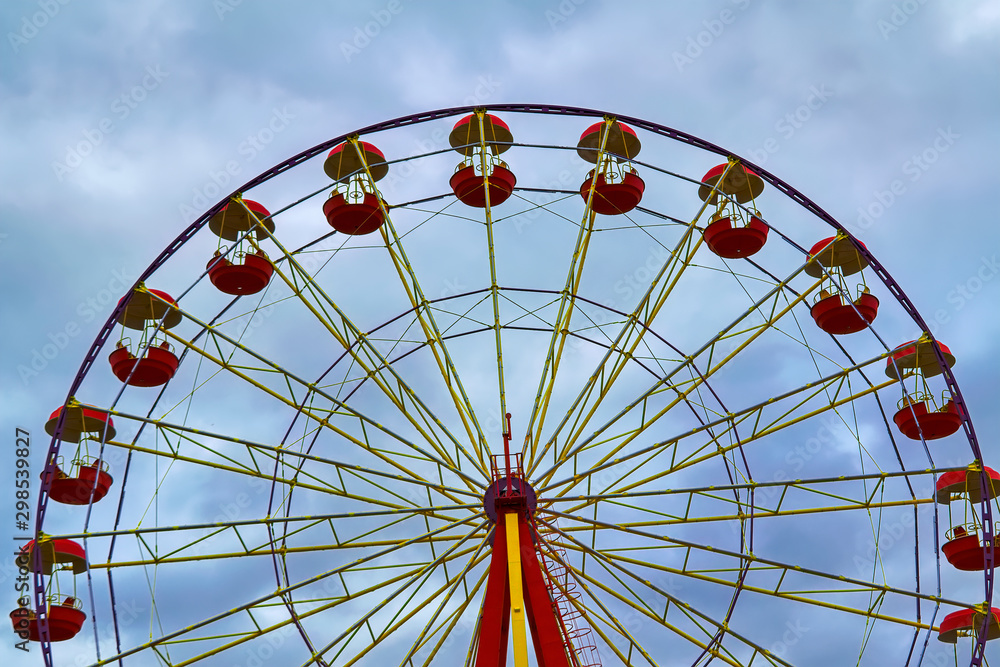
(121, 124)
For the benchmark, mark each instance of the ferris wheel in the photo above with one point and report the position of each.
(514, 385)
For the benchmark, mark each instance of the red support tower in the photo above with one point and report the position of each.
(517, 592)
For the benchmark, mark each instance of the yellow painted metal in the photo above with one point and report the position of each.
(583, 578)
(444, 592)
(311, 519)
(560, 331)
(692, 574)
(682, 395)
(624, 355)
(271, 452)
(758, 513)
(494, 288)
(425, 317)
(623, 348)
(517, 617)
(375, 363)
(754, 559)
(817, 387)
(320, 419)
(449, 623)
(275, 597)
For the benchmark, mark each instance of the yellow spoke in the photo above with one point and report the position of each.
(424, 573)
(309, 413)
(752, 414)
(567, 303)
(687, 609)
(421, 308)
(354, 341)
(664, 384)
(749, 559)
(628, 339)
(268, 598)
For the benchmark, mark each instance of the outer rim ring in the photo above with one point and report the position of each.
(978, 652)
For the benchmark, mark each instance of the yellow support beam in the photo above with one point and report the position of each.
(516, 594)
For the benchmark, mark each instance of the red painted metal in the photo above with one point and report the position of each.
(834, 316)
(742, 183)
(248, 277)
(153, 369)
(915, 419)
(735, 242)
(968, 483)
(55, 554)
(64, 621)
(494, 622)
(469, 188)
(965, 552)
(76, 489)
(969, 622)
(613, 198)
(81, 420)
(354, 217)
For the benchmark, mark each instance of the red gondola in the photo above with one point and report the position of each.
(145, 310)
(481, 138)
(245, 270)
(966, 547)
(355, 207)
(87, 475)
(918, 414)
(833, 315)
(64, 615)
(613, 187)
(65, 620)
(835, 258)
(247, 277)
(613, 198)
(735, 242)
(468, 185)
(156, 366)
(918, 417)
(969, 623)
(733, 233)
(363, 216)
(965, 550)
(86, 482)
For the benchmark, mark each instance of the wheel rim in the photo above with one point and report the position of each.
(606, 455)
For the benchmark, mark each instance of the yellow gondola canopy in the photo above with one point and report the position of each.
(235, 219)
(621, 141)
(80, 419)
(149, 305)
(918, 355)
(836, 252)
(741, 183)
(348, 159)
(466, 136)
